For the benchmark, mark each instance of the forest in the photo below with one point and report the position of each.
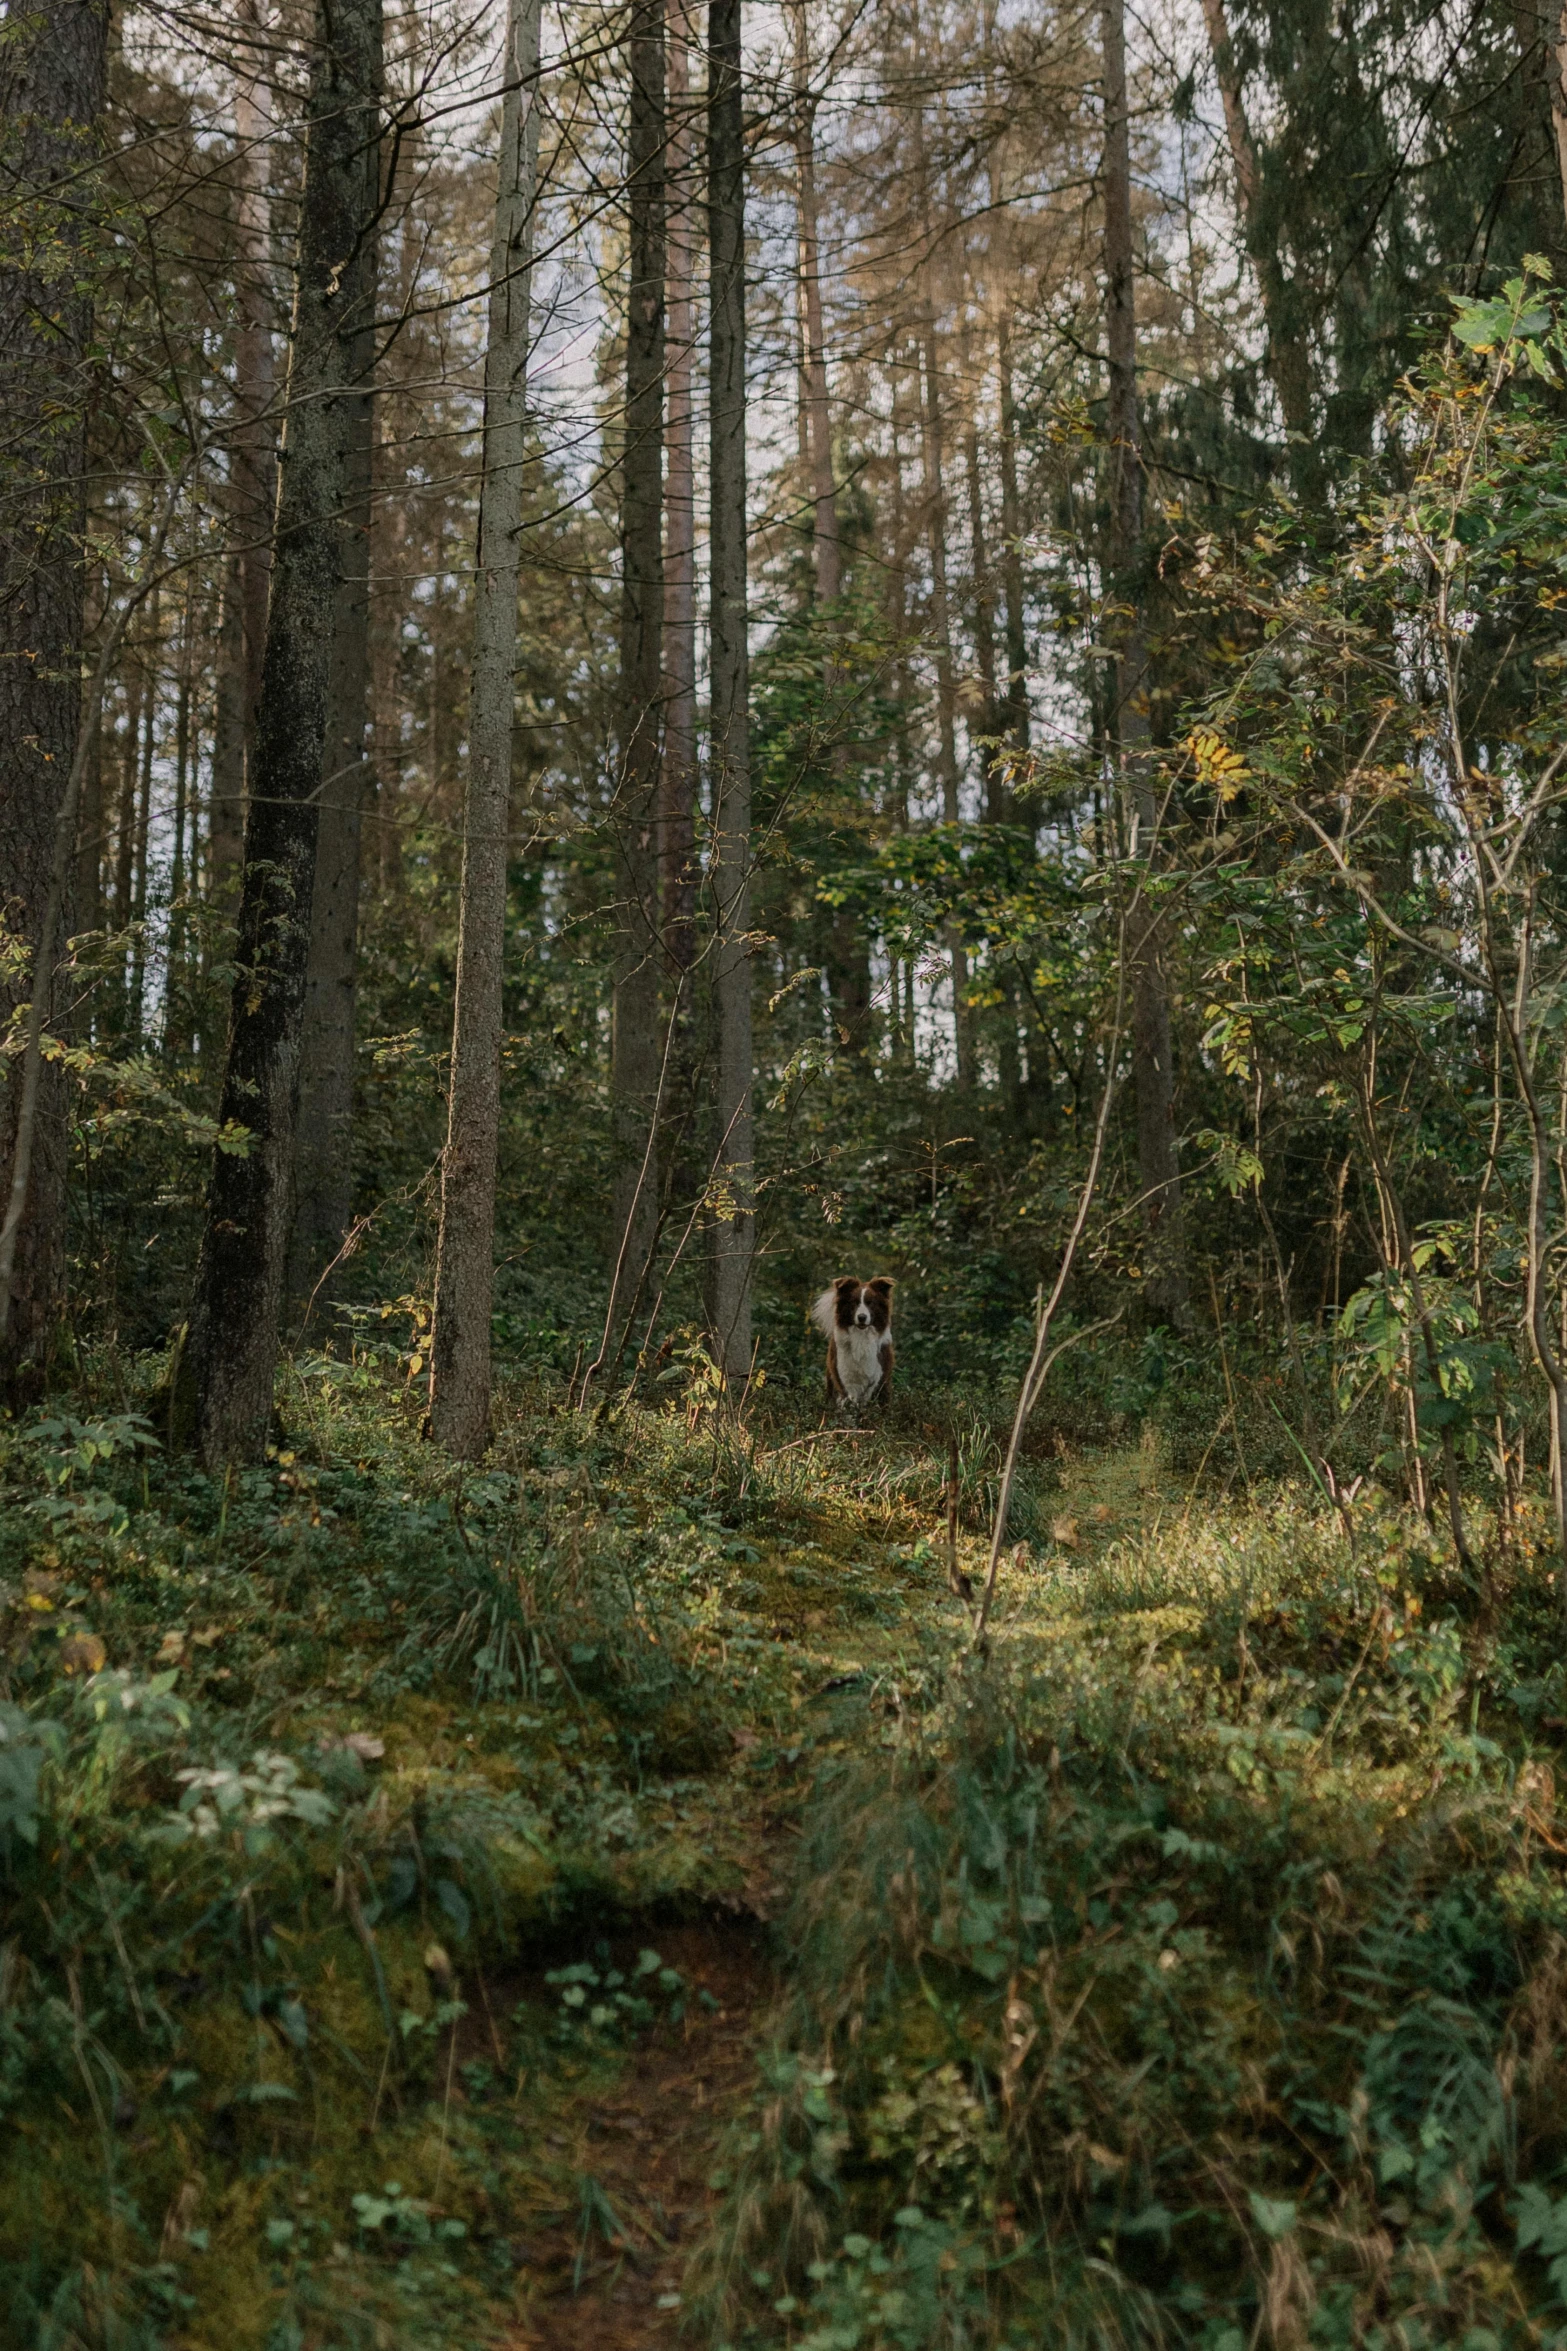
(657, 662)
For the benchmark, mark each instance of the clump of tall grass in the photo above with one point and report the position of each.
(1192, 1974)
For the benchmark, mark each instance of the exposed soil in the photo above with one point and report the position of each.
(644, 2152)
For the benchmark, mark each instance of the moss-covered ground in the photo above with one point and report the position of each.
(604, 1895)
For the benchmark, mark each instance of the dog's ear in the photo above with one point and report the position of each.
(845, 1281)
(881, 1285)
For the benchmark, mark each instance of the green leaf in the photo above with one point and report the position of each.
(1275, 2216)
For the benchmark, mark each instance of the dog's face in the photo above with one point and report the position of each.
(862, 1306)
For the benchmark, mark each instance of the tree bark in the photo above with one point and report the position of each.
(465, 1262)
(733, 1229)
(1289, 357)
(1013, 712)
(1556, 75)
(813, 344)
(946, 685)
(1011, 541)
(323, 1152)
(224, 1394)
(677, 806)
(634, 1053)
(52, 72)
(252, 482)
(1153, 1067)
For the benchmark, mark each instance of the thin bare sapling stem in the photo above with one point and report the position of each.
(1044, 1355)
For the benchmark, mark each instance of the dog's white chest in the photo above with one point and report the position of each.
(858, 1355)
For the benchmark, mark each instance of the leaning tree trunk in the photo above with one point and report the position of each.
(465, 1258)
(1153, 1068)
(323, 1157)
(634, 1055)
(52, 68)
(733, 1228)
(225, 1382)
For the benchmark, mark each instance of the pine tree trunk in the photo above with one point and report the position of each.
(141, 826)
(323, 1147)
(52, 70)
(1556, 78)
(226, 1374)
(677, 877)
(946, 684)
(984, 622)
(1153, 1070)
(1013, 712)
(634, 1054)
(252, 483)
(1011, 542)
(813, 345)
(733, 1232)
(465, 1260)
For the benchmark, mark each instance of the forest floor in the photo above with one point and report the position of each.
(601, 1898)
(606, 2275)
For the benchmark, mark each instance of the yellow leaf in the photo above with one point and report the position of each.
(1218, 767)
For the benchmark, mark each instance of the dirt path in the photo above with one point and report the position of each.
(607, 2275)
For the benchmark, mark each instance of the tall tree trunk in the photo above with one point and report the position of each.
(946, 683)
(998, 796)
(52, 69)
(252, 483)
(1013, 712)
(813, 344)
(323, 1147)
(677, 807)
(733, 1234)
(1011, 540)
(1289, 357)
(634, 1054)
(465, 1261)
(678, 774)
(141, 827)
(984, 622)
(187, 758)
(90, 841)
(226, 1374)
(1165, 1282)
(1537, 156)
(125, 807)
(1556, 77)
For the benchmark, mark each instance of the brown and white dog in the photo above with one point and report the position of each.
(857, 1320)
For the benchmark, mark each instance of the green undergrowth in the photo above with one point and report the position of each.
(294, 1770)
(1189, 1969)
(1192, 1970)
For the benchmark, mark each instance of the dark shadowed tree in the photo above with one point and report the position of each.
(733, 1215)
(634, 1059)
(52, 66)
(323, 1147)
(226, 1375)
